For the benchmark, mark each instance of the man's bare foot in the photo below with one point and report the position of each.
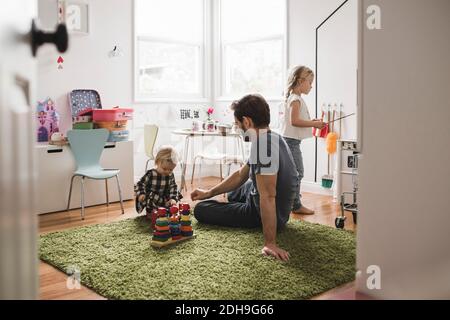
(304, 210)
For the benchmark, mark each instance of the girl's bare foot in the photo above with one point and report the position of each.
(304, 210)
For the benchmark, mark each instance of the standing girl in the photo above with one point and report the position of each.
(296, 122)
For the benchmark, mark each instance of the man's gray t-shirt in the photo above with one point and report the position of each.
(270, 155)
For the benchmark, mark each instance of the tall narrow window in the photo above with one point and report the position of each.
(169, 49)
(252, 47)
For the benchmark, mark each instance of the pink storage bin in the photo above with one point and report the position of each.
(115, 114)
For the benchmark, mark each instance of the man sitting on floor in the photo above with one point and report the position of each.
(266, 199)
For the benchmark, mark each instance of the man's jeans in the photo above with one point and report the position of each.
(294, 146)
(239, 212)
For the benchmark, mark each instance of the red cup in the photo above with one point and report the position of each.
(321, 133)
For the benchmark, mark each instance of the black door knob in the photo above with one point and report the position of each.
(60, 38)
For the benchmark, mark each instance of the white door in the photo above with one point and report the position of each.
(18, 227)
(18, 222)
(403, 222)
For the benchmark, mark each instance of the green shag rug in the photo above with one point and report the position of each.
(117, 261)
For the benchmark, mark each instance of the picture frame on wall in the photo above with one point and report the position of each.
(75, 14)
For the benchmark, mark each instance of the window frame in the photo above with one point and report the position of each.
(204, 92)
(219, 57)
(212, 64)
(248, 41)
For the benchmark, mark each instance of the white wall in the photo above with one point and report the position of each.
(87, 65)
(305, 16)
(336, 82)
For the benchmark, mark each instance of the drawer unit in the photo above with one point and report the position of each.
(57, 164)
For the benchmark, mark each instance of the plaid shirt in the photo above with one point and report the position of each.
(158, 189)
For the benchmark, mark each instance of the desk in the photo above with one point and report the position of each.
(190, 135)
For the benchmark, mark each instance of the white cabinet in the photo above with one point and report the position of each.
(56, 166)
(346, 175)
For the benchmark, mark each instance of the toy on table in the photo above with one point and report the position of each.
(82, 102)
(83, 120)
(115, 120)
(83, 99)
(88, 113)
(58, 139)
(170, 227)
(48, 120)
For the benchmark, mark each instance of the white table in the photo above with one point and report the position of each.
(190, 135)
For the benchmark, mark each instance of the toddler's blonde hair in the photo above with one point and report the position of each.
(296, 74)
(166, 154)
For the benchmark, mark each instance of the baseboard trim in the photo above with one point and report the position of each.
(317, 188)
(211, 171)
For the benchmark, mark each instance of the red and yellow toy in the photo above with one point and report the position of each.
(162, 230)
(170, 227)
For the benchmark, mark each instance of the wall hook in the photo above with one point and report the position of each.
(115, 52)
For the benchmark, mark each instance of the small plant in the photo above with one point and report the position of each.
(209, 125)
(209, 112)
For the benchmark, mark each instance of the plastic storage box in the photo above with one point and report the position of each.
(83, 125)
(117, 136)
(115, 114)
(112, 125)
(77, 119)
(83, 99)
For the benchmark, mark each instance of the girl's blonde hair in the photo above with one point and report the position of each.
(296, 74)
(166, 154)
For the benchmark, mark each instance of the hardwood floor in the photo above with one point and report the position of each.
(53, 282)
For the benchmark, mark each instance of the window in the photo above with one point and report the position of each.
(174, 40)
(169, 49)
(252, 47)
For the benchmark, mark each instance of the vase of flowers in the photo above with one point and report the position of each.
(209, 123)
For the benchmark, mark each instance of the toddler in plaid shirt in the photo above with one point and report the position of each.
(157, 188)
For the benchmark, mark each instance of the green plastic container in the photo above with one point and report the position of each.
(327, 182)
(83, 126)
